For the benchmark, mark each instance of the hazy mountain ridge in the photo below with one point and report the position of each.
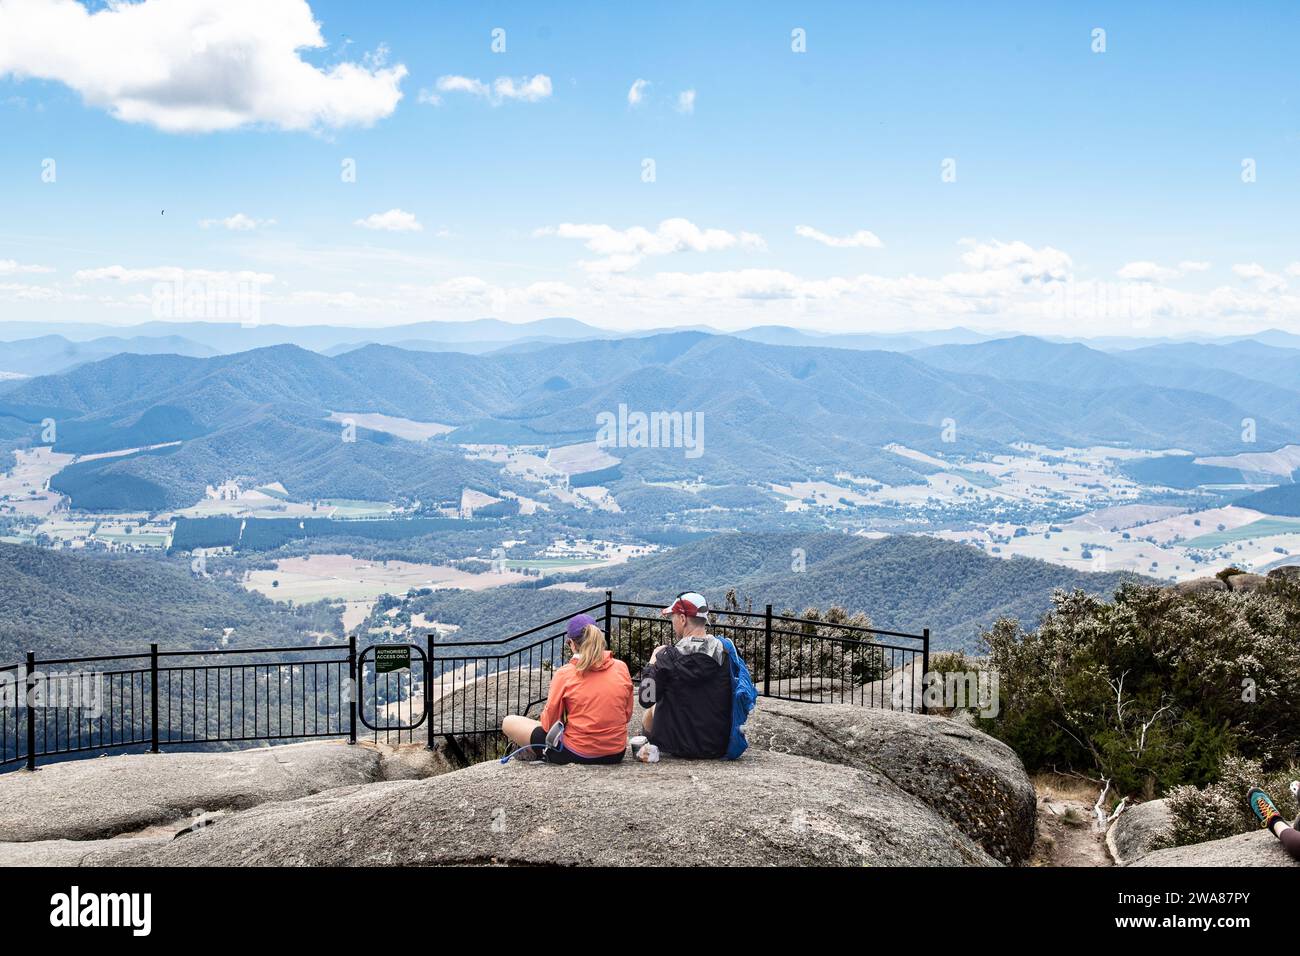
(772, 413)
(903, 582)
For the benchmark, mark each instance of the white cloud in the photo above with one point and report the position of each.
(1264, 280)
(1293, 269)
(623, 249)
(196, 66)
(686, 101)
(395, 220)
(237, 223)
(122, 274)
(1017, 259)
(1144, 271)
(862, 239)
(13, 267)
(637, 93)
(527, 89)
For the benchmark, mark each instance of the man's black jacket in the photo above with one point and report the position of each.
(689, 685)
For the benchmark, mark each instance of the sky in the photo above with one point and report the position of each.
(849, 167)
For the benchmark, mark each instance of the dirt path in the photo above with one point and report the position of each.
(1066, 834)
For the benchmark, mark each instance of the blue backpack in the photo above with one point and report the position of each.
(743, 697)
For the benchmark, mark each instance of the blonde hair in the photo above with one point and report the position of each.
(591, 647)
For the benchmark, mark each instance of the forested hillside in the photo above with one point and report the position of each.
(59, 604)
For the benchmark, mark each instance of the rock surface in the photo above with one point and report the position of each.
(107, 796)
(1199, 586)
(975, 781)
(822, 784)
(1140, 830)
(1260, 848)
(1246, 582)
(768, 809)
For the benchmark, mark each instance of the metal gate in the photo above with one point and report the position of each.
(393, 690)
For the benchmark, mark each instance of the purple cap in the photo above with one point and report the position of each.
(577, 624)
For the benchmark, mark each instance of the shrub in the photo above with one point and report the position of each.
(1220, 810)
(1153, 689)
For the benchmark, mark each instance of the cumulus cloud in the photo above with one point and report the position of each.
(122, 274)
(237, 223)
(10, 267)
(395, 220)
(1264, 280)
(1018, 259)
(1146, 271)
(526, 89)
(197, 66)
(637, 93)
(623, 249)
(686, 101)
(862, 239)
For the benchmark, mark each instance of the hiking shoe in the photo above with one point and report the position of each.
(1262, 807)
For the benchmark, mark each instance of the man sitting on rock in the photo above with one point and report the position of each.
(686, 687)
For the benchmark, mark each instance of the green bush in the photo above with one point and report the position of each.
(1220, 810)
(1153, 689)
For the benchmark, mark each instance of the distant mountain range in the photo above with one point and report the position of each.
(772, 412)
(31, 348)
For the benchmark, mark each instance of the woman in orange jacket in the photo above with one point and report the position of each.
(590, 698)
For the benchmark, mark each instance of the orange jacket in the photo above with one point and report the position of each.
(595, 706)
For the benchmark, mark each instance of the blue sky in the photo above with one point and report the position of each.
(1083, 177)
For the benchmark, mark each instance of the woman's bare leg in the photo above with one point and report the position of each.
(647, 720)
(520, 731)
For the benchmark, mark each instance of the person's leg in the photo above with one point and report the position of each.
(1274, 822)
(520, 731)
(648, 720)
(1290, 838)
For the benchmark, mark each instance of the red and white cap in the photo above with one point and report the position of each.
(689, 603)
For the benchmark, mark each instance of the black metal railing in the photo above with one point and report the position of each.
(191, 699)
(817, 660)
(455, 691)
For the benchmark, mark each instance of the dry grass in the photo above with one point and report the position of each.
(1058, 786)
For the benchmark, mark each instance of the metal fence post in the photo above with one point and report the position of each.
(925, 664)
(767, 652)
(353, 689)
(609, 617)
(31, 710)
(153, 698)
(428, 687)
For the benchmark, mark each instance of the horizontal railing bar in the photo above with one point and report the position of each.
(514, 637)
(847, 627)
(215, 652)
(257, 650)
(92, 660)
(181, 668)
(776, 617)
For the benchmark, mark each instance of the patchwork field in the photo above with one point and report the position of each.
(399, 427)
(341, 577)
(24, 487)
